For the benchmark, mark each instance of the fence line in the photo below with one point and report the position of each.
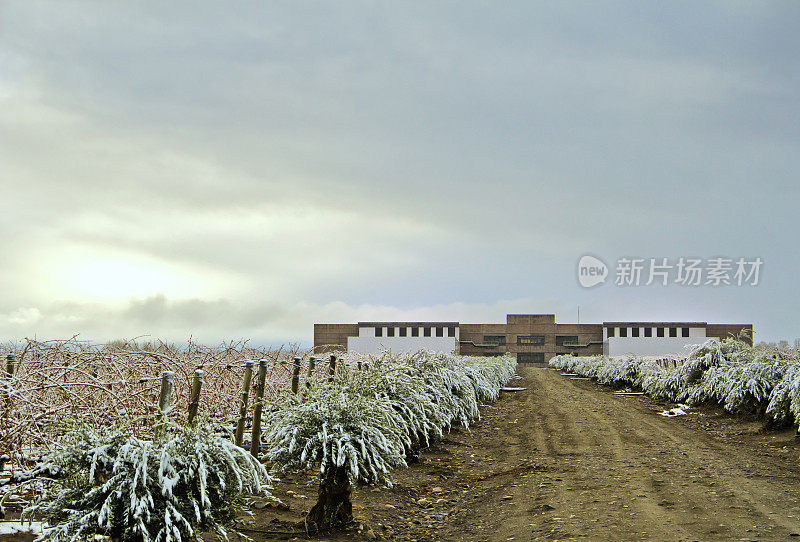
(50, 384)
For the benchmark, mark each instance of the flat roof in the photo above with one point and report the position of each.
(657, 324)
(407, 324)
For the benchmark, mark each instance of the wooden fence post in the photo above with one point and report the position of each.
(332, 367)
(312, 361)
(164, 399)
(295, 375)
(194, 402)
(255, 445)
(10, 361)
(245, 397)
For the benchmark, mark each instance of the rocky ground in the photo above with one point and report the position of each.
(568, 459)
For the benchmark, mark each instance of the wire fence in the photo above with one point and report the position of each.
(49, 385)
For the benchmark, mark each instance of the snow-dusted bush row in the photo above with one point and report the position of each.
(369, 419)
(740, 377)
(362, 424)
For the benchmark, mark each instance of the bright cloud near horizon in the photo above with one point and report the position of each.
(244, 170)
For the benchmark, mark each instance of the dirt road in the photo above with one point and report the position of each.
(568, 459)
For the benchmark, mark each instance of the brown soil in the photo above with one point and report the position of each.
(568, 459)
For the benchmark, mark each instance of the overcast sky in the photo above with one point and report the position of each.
(243, 170)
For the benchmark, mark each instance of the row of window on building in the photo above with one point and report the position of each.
(414, 331)
(648, 331)
(531, 340)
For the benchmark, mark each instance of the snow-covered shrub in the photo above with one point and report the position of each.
(423, 402)
(339, 426)
(740, 378)
(680, 383)
(559, 362)
(751, 384)
(110, 483)
(364, 423)
(606, 370)
(662, 383)
(489, 378)
(711, 352)
(353, 437)
(575, 364)
(619, 372)
(714, 352)
(457, 392)
(784, 401)
(436, 390)
(709, 388)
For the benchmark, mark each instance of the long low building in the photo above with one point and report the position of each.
(533, 338)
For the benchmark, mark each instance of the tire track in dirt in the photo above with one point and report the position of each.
(593, 435)
(713, 468)
(610, 468)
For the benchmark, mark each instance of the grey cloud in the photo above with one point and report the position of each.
(210, 321)
(458, 153)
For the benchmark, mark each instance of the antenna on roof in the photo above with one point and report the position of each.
(579, 314)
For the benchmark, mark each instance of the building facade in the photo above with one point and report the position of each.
(532, 338)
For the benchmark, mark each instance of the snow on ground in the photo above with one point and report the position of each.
(17, 527)
(680, 410)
